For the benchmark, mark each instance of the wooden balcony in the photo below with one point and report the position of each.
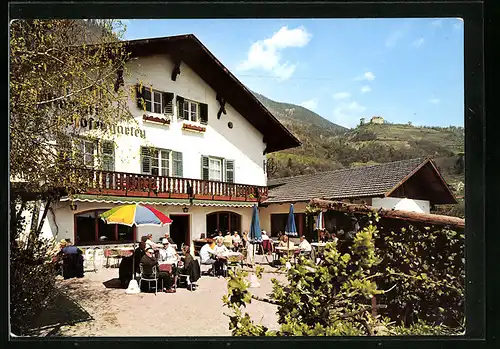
(139, 185)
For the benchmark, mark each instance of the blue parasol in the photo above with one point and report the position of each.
(290, 228)
(255, 235)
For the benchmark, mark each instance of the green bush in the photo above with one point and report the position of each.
(334, 297)
(32, 280)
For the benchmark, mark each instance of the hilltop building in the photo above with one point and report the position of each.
(377, 120)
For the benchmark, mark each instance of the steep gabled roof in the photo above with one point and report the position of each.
(367, 181)
(192, 52)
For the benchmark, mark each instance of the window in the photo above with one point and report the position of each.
(90, 229)
(85, 150)
(161, 162)
(190, 111)
(223, 221)
(215, 173)
(217, 169)
(154, 101)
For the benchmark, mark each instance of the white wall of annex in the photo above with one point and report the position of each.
(243, 143)
(420, 206)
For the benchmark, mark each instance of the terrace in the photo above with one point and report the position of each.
(141, 185)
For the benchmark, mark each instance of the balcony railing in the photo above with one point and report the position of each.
(133, 184)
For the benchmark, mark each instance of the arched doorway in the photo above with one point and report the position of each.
(223, 221)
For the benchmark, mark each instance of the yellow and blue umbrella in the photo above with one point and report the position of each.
(136, 214)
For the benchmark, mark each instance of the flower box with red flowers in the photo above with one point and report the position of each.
(193, 128)
(159, 120)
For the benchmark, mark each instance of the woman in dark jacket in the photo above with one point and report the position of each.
(190, 268)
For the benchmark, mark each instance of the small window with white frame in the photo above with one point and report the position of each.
(190, 111)
(153, 100)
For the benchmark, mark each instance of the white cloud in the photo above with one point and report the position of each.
(365, 89)
(417, 43)
(437, 23)
(266, 54)
(310, 104)
(434, 100)
(348, 114)
(367, 76)
(341, 95)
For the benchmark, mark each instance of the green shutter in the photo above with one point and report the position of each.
(204, 168)
(203, 113)
(180, 107)
(229, 165)
(177, 164)
(145, 160)
(139, 93)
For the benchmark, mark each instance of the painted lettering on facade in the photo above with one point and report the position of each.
(92, 124)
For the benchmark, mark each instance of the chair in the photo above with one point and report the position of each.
(89, 259)
(114, 255)
(98, 257)
(148, 278)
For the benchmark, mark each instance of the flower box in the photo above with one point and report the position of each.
(163, 121)
(193, 128)
(238, 198)
(203, 197)
(179, 196)
(222, 198)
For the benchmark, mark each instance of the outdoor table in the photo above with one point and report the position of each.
(125, 252)
(288, 250)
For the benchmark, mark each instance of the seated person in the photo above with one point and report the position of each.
(72, 261)
(285, 242)
(244, 239)
(221, 260)
(266, 243)
(167, 236)
(168, 255)
(149, 262)
(322, 236)
(191, 268)
(304, 246)
(207, 254)
(236, 240)
(151, 244)
(228, 240)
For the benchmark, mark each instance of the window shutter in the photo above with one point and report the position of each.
(229, 171)
(264, 165)
(108, 156)
(177, 163)
(139, 93)
(168, 106)
(145, 160)
(180, 107)
(204, 168)
(203, 113)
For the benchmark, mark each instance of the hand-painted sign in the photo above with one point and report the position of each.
(124, 130)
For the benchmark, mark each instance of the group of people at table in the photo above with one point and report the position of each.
(163, 261)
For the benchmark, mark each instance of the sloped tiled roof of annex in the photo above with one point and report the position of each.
(366, 181)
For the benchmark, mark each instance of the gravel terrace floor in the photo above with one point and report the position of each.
(185, 313)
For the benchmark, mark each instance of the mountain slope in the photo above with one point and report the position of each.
(327, 146)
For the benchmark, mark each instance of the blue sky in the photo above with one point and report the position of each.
(343, 69)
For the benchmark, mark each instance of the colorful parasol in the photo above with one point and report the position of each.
(136, 214)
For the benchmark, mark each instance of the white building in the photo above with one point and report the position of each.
(197, 154)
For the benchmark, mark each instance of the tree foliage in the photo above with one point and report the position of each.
(334, 297)
(56, 78)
